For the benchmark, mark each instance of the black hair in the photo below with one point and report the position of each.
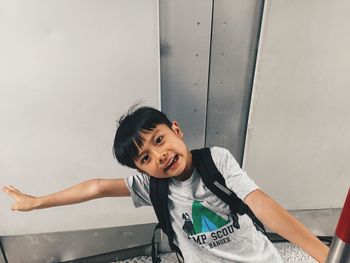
(128, 137)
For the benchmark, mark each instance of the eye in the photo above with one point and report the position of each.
(144, 159)
(159, 139)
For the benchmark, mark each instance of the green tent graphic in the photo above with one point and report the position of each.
(205, 220)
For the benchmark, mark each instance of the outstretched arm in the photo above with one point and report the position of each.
(279, 220)
(85, 191)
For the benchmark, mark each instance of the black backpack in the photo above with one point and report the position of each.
(213, 179)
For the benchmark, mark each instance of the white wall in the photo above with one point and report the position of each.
(68, 70)
(298, 140)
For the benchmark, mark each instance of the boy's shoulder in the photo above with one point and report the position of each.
(219, 153)
(223, 159)
(219, 150)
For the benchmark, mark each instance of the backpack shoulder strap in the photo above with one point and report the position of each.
(159, 199)
(214, 180)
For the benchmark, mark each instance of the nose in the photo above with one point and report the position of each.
(162, 157)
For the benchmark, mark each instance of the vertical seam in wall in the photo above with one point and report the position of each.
(161, 235)
(159, 62)
(208, 84)
(253, 78)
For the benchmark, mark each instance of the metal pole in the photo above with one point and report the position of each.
(340, 248)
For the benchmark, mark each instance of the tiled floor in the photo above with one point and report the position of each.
(289, 253)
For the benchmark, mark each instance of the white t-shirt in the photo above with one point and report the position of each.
(205, 230)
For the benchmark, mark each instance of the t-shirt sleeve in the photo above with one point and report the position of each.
(138, 186)
(236, 179)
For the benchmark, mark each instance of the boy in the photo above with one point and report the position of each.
(147, 141)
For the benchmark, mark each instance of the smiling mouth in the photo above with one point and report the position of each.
(173, 161)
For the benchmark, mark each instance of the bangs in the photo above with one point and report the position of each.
(135, 142)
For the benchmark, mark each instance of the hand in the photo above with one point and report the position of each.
(23, 202)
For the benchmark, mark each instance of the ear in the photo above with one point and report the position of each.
(176, 128)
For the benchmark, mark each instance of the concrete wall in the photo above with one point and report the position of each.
(235, 35)
(297, 143)
(68, 70)
(185, 35)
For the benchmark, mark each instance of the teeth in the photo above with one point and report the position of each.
(172, 161)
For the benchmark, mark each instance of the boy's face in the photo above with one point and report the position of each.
(164, 153)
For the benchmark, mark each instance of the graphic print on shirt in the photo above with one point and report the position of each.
(209, 228)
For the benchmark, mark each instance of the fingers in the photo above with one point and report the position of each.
(22, 201)
(14, 188)
(6, 189)
(11, 191)
(10, 188)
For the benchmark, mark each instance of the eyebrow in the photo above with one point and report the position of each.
(155, 132)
